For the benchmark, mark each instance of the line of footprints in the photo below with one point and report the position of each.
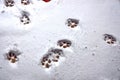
(53, 55)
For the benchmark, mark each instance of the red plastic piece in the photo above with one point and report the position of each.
(46, 0)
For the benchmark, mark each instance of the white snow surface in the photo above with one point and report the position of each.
(89, 57)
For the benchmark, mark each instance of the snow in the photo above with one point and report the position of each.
(47, 26)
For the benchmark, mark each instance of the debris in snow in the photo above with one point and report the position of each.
(110, 39)
(118, 69)
(72, 22)
(0, 67)
(12, 56)
(9, 3)
(86, 47)
(93, 54)
(64, 43)
(3, 11)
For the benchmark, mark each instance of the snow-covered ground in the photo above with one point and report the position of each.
(89, 57)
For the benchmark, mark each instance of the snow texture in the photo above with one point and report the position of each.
(88, 58)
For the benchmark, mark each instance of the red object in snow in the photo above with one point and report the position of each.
(46, 0)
